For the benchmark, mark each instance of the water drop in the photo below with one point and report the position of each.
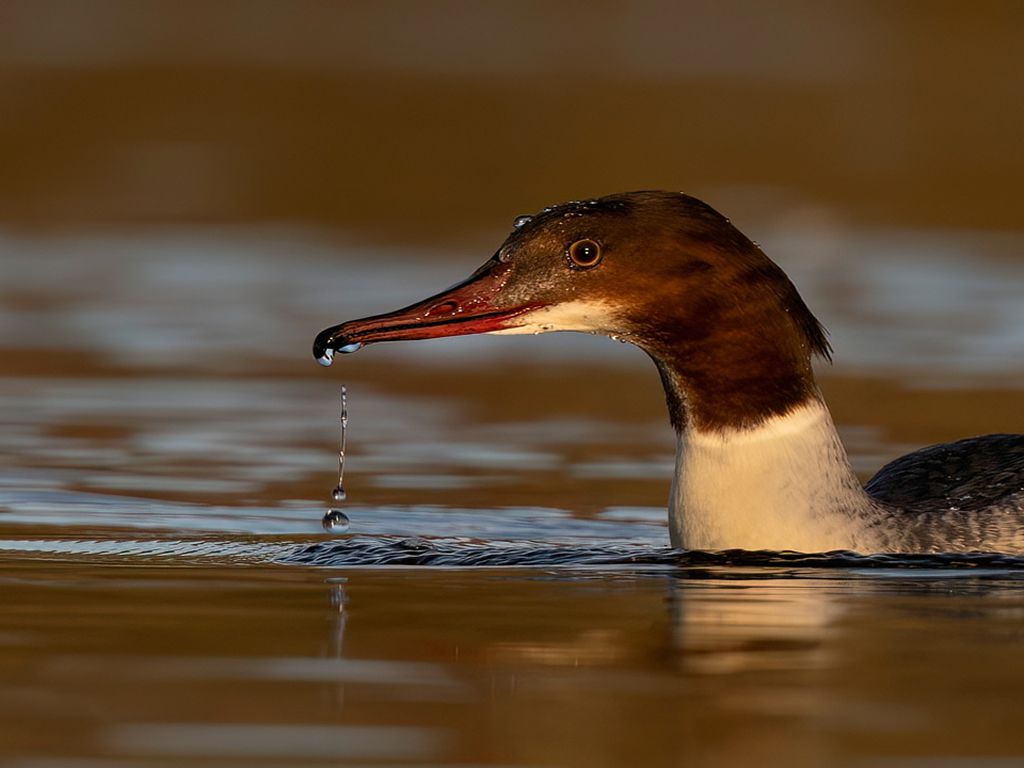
(521, 221)
(355, 346)
(335, 521)
(327, 358)
(342, 428)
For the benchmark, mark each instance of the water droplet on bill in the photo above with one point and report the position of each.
(355, 346)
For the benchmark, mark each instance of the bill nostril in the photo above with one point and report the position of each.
(444, 308)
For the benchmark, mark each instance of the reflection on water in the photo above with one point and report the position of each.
(261, 741)
(458, 667)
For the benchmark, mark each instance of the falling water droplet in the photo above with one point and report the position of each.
(335, 521)
(342, 428)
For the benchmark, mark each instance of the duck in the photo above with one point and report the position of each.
(759, 463)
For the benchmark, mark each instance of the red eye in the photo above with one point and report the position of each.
(584, 254)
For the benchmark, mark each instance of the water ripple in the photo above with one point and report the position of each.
(184, 550)
(460, 553)
(360, 551)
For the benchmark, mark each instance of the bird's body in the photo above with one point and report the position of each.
(759, 463)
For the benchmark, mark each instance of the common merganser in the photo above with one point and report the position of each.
(759, 464)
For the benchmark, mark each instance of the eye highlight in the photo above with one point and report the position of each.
(584, 254)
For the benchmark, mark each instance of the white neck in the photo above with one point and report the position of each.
(785, 484)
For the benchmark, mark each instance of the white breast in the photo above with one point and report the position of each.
(786, 484)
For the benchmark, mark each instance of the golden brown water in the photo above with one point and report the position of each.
(192, 191)
(170, 448)
(155, 664)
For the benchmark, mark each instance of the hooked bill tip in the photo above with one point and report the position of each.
(327, 356)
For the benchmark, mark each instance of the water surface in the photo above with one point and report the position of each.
(505, 594)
